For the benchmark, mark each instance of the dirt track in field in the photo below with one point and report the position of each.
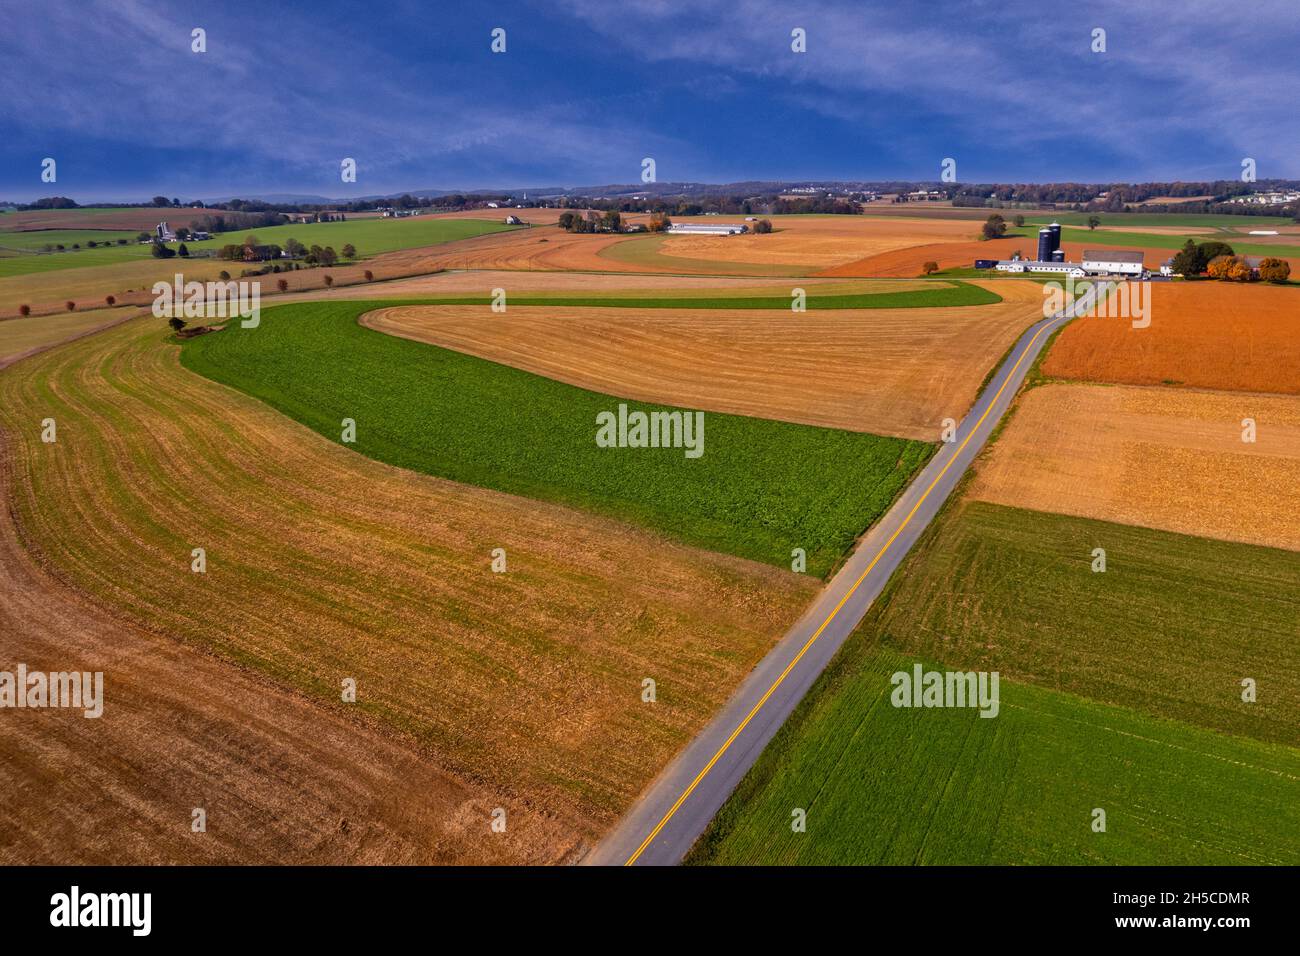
(1155, 457)
(1205, 334)
(475, 690)
(886, 371)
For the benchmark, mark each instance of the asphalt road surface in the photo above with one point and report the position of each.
(670, 816)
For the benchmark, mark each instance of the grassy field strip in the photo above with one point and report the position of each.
(1169, 630)
(760, 489)
(1208, 220)
(887, 785)
(369, 236)
(1241, 244)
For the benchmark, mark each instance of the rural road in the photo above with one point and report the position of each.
(670, 816)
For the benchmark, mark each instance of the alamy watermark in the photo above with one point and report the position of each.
(638, 429)
(1113, 300)
(234, 299)
(80, 690)
(922, 688)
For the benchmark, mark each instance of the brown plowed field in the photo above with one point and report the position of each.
(886, 371)
(1206, 334)
(475, 690)
(1155, 457)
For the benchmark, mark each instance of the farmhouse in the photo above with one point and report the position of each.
(708, 228)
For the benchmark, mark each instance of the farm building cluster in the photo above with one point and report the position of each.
(1051, 258)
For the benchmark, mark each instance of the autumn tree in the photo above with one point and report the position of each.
(1094, 222)
(1274, 270)
(995, 227)
(929, 268)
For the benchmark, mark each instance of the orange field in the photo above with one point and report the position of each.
(886, 371)
(1155, 457)
(1205, 334)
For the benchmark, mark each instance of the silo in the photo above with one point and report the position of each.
(1056, 235)
(1044, 245)
(1058, 255)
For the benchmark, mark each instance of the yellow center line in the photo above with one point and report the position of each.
(848, 594)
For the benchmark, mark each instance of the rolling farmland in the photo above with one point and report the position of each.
(890, 371)
(322, 564)
(370, 236)
(440, 412)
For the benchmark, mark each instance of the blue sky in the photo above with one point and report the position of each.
(585, 90)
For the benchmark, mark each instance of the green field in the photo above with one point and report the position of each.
(938, 295)
(35, 240)
(1195, 220)
(1174, 243)
(1169, 629)
(887, 785)
(761, 488)
(1120, 690)
(370, 236)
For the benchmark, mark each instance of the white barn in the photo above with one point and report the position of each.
(1113, 262)
(708, 228)
(1034, 265)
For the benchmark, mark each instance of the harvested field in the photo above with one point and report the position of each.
(283, 780)
(608, 284)
(1154, 457)
(519, 690)
(453, 415)
(817, 242)
(87, 286)
(133, 219)
(886, 371)
(1203, 334)
(19, 337)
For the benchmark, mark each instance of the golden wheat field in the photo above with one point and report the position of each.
(1161, 458)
